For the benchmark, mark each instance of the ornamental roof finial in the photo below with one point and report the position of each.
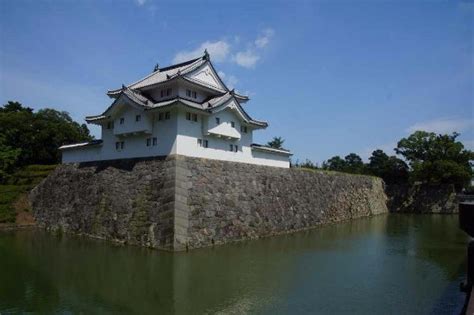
(156, 68)
(206, 54)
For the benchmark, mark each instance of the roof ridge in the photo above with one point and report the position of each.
(177, 65)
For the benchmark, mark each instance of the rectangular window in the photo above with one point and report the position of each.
(138, 117)
(110, 125)
(166, 92)
(231, 146)
(155, 141)
(122, 145)
(243, 129)
(202, 143)
(218, 120)
(232, 124)
(167, 115)
(122, 120)
(148, 142)
(195, 117)
(190, 93)
(236, 148)
(188, 116)
(117, 145)
(160, 116)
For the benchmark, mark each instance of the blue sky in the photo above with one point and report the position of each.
(330, 77)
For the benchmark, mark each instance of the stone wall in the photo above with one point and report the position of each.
(180, 202)
(129, 201)
(420, 198)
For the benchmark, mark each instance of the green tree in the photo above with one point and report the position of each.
(336, 163)
(354, 164)
(390, 168)
(277, 143)
(437, 159)
(14, 107)
(38, 135)
(8, 159)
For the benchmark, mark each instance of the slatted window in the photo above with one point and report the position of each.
(119, 145)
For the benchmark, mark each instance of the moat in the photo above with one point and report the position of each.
(402, 264)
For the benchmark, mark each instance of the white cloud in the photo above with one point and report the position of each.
(140, 2)
(442, 125)
(218, 50)
(246, 59)
(229, 80)
(264, 38)
(249, 58)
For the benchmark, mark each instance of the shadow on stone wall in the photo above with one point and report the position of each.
(422, 198)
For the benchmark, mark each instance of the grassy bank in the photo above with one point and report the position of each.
(14, 207)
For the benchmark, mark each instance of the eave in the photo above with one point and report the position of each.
(80, 145)
(260, 147)
(139, 102)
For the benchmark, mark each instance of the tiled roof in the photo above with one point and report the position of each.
(267, 148)
(176, 100)
(221, 100)
(165, 74)
(136, 97)
(133, 96)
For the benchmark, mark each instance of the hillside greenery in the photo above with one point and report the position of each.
(17, 186)
(29, 142)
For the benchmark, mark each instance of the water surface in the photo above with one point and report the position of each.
(389, 264)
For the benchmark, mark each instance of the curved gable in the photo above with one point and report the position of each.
(233, 104)
(207, 75)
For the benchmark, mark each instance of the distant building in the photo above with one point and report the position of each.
(184, 109)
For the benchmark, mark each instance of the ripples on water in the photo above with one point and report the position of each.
(398, 264)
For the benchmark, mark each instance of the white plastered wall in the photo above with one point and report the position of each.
(176, 135)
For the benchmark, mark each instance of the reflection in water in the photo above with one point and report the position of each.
(386, 264)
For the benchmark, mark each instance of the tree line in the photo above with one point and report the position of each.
(426, 157)
(29, 137)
